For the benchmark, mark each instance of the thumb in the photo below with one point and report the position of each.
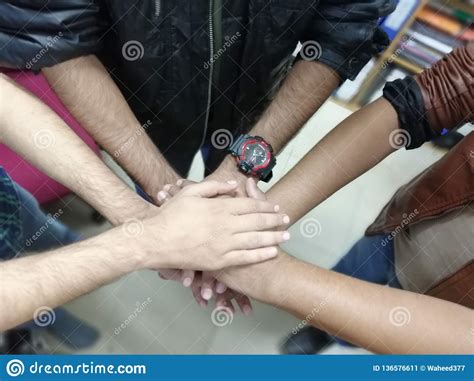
(253, 191)
(211, 188)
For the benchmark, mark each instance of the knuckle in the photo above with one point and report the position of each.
(261, 221)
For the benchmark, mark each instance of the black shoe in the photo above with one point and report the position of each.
(449, 140)
(308, 341)
(22, 342)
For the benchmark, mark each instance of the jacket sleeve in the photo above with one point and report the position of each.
(439, 98)
(37, 34)
(348, 33)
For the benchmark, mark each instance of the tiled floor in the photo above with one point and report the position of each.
(173, 323)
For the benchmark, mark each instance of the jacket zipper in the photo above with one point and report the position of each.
(211, 71)
(157, 7)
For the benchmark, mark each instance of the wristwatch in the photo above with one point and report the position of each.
(254, 156)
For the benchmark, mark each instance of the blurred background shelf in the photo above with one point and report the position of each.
(421, 32)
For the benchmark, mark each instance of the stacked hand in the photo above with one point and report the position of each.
(203, 284)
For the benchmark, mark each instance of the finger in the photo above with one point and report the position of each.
(245, 205)
(162, 197)
(225, 301)
(207, 285)
(210, 188)
(187, 278)
(253, 191)
(196, 290)
(250, 241)
(182, 183)
(172, 189)
(244, 303)
(170, 274)
(220, 288)
(247, 257)
(259, 221)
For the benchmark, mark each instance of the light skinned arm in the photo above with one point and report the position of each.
(194, 230)
(38, 134)
(374, 317)
(307, 86)
(356, 145)
(89, 93)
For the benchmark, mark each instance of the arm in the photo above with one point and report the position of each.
(352, 148)
(34, 131)
(342, 39)
(357, 311)
(306, 88)
(92, 97)
(183, 234)
(411, 112)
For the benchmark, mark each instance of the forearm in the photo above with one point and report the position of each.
(351, 149)
(35, 132)
(57, 277)
(90, 94)
(377, 318)
(306, 88)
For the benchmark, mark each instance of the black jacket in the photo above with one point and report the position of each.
(158, 52)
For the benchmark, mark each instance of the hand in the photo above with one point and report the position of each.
(195, 231)
(253, 280)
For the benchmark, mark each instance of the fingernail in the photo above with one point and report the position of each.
(276, 208)
(180, 182)
(161, 195)
(167, 187)
(286, 236)
(206, 294)
(273, 251)
(286, 220)
(220, 288)
(187, 282)
(232, 182)
(247, 310)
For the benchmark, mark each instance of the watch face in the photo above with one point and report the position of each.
(256, 154)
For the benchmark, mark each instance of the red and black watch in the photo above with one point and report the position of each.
(254, 156)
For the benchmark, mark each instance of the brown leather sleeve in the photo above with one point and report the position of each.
(448, 89)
